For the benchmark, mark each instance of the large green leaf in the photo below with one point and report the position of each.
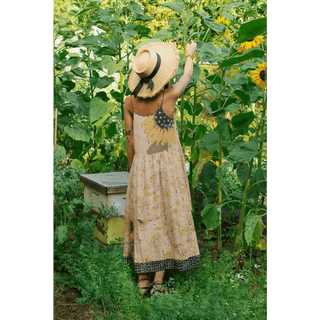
(78, 132)
(163, 34)
(112, 129)
(258, 184)
(141, 17)
(61, 234)
(112, 65)
(176, 6)
(210, 141)
(243, 173)
(242, 118)
(249, 54)
(71, 97)
(98, 108)
(218, 27)
(253, 228)
(243, 151)
(224, 130)
(208, 173)
(211, 216)
(105, 16)
(78, 72)
(208, 53)
(252, 29)
(101, 82)
(233, 107)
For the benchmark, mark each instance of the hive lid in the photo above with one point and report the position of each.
(109, 182)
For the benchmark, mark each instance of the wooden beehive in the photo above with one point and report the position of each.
(110, 189)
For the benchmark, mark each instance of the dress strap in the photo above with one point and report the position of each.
(162, 98)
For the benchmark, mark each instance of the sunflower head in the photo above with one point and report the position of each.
(225, 21)
(255, 42)
(259, 75)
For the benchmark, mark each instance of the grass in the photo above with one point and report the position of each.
(211, 291)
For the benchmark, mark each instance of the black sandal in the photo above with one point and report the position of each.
(157, 289)
(144, 290)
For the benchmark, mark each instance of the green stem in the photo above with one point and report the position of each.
(193, 136)
(260, 129)
(244, 199)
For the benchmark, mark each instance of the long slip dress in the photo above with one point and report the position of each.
(159, 230)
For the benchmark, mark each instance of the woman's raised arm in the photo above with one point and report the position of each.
(181, 85)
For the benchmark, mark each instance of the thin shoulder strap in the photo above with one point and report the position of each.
(162, 98)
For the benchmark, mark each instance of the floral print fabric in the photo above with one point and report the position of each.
(159, 227)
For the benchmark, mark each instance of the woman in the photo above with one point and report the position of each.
(159, 228)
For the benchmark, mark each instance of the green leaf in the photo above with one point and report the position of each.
(250, 225)
(78, 132)
(112, 65)
(233, 107)
(249, 54)
(71, 97)
(175, 6)
(210, 141)
(211, 216)
(112, 129)
(163, 34)
(208, 53)
(258, 184)
(134, 7)
(101, 82)
(100, 135)
(78, 72)
(252, 29)
(98, 108)
(245, 98)
(141, 17)
(208, 173)
(242, 152)
(243, 173)
(215, 26)
(242, 118)
(76, 163)
(61, 234)
(105, 16)
(224, 130)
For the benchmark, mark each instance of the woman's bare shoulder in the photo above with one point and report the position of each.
(128, 104)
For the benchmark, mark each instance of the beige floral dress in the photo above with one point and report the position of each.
(159, 229)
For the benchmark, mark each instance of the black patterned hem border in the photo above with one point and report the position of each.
(154, 266)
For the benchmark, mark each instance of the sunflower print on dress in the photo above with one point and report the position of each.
(160, 128)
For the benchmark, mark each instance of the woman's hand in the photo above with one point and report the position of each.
(191, 48)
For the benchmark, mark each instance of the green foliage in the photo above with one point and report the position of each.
(224, 106)
(211, 291)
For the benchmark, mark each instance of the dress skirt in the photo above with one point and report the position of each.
(159, 229)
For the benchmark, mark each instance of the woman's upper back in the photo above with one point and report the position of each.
(144, 107)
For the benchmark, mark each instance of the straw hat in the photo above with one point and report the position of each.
(153, 66)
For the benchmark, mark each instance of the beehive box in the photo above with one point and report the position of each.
(110, 189)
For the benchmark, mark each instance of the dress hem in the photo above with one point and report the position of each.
(154, 266)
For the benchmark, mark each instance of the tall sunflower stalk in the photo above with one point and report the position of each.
(221, 154)
(245, 194)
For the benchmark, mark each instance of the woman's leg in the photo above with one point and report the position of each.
(158, 277)
(143, 279)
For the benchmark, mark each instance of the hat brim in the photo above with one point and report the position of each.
(169, 65)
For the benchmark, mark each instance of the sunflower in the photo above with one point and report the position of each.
(223, 20)
(255, 42)
(160, 128)
(258, 76)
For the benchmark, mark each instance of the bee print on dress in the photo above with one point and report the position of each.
(160, 128)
